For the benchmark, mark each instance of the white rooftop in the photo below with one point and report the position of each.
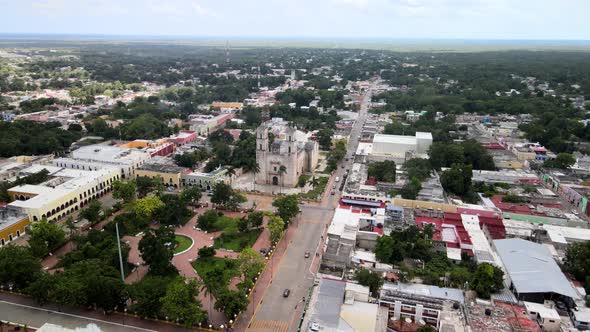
(73, 179)
(364, 255)
(364, 148)
(542, 310)
(562, 234)
(343, 219)
(108, 153)
(394, 139)
(38, 168)
(481, 247)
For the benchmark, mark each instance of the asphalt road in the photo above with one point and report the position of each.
(296, 273)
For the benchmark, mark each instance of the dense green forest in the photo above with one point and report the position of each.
(33, 138)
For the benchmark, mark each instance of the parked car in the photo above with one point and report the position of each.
(286, 292)
(314, 326)
(307, 254)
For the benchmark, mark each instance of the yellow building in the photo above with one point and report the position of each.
(159, 167)
(510, 164)
(227, 105)
(425, 205)
(66, 191)
(13, 224)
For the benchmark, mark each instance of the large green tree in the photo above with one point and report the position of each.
(250, 263)
(157, 250)
(275, 226)
(561, 161)
(324, 137)
(487, 280)
(181, 302)
(147, 206)
(222, 193)
(18, 266)
(191, 195)
(145, 185)
(146, 295)
(93, 212)
(457, 179)
(373, 280)
(383, 171)
(124, 190)
(207, 220)
(577, 261)
(45, 237)
(230, 302)
(287, 207)
(173, 212)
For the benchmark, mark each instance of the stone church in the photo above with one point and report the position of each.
(278, 143)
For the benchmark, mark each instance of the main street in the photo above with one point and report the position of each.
(293, 271)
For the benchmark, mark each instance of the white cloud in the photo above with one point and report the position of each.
(66, 8)
(181, 9)
(358, 4)
(202, 11)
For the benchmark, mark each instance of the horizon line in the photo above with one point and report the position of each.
(351, 38)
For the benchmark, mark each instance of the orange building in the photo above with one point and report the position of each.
(13, 224)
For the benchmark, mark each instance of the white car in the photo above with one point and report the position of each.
(314, 326)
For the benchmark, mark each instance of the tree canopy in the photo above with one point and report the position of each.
(157, 250)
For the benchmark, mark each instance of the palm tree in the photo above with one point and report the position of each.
(231, 172)
(282, 171)
(255, 169)
(208, 291)
(71, 226)
(314, 182)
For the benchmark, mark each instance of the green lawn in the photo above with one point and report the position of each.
(225, 224)
(182, 243)
(317, 192)
(236, 241)
(222, 268)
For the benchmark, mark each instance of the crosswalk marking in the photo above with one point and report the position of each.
(268, 326)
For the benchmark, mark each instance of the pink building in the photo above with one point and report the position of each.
(162, 150)
(183, 137)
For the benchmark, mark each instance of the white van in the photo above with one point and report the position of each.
(337, 179)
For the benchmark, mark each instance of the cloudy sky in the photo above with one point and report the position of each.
(471, 19)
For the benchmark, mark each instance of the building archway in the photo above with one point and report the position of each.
(275, 180)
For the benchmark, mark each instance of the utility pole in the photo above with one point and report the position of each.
(120, 255)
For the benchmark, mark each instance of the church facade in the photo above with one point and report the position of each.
(280, 144)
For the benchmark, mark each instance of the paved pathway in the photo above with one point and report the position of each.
(183, 262)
